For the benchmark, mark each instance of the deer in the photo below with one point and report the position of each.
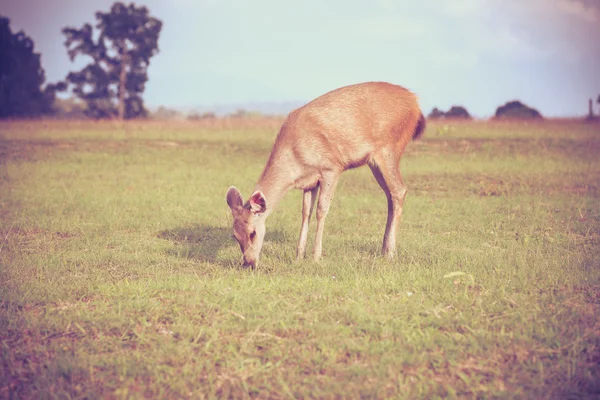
(367, 123)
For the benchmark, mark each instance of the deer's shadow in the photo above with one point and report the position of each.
(204, 242)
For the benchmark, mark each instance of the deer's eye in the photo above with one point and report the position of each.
(252, 235)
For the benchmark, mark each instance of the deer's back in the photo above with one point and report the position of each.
(344, 126)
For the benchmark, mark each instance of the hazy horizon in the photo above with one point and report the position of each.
(475, 53)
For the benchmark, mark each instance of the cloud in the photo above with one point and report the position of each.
(578, 9)
(194, 3)
(561, 29)
(380, 27)
(464, 8)
(460, 59)
(552, 11)
(517, 44)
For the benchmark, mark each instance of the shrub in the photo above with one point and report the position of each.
(196, 116)
(517, 110)
(458, 112)
(455, 112)
(436, 113)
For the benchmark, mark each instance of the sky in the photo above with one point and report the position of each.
(475, 53)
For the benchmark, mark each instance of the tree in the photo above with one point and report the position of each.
(436, 113)
(458, 112)
(455, 112)
(113, 83)
(22, 76)
(516, 110)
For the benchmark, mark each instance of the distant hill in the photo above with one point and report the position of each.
(265, 107)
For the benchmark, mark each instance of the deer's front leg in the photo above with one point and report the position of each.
(328, 184)
(308, 201)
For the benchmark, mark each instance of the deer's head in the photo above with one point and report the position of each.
(248, 223)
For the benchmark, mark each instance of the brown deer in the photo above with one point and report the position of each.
(367, 123)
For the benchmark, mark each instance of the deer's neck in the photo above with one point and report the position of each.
(276, 179)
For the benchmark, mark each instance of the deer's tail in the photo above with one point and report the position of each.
(420, 128)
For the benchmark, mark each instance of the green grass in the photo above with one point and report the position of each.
(119, 277)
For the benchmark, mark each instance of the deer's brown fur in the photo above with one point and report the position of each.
(368, 123)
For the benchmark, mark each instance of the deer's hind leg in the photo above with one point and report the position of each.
(385, 166)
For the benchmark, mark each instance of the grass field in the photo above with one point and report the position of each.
(119, 277)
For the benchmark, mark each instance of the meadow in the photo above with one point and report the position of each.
(119, 277)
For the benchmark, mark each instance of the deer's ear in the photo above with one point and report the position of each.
(258, 203)
(234, 198)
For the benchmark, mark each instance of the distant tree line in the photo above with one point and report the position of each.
(511, 110)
